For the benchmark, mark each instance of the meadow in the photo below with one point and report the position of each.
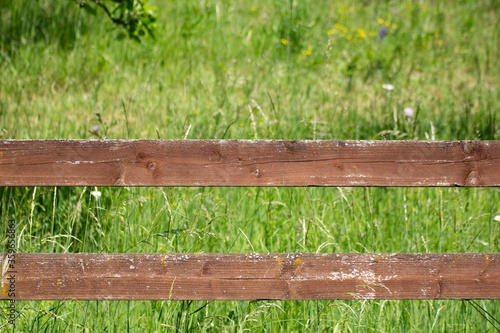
(279, 69)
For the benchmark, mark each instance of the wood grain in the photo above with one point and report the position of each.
(248, 163)
(254, 276)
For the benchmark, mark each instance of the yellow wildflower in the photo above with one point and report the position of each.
(394, 26)
(361, 33)
(308, 51)
(349, 37)
(284, 41)
(331, 32)
(387, 23)
(380, 21)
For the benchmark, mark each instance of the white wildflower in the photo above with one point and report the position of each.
(388, 86)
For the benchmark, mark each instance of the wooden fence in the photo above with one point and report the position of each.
(290, 276)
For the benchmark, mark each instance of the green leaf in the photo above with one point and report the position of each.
(89, 9)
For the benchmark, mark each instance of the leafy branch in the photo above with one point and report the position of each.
(136, 17)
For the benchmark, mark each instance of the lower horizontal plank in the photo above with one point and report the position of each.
(285, 276)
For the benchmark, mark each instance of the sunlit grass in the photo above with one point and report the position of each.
(265, 70)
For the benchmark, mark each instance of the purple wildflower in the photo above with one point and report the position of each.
(95, 128)
(408, 112)
(382, 33)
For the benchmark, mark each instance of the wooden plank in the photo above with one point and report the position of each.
(248, 163)
(88, 276)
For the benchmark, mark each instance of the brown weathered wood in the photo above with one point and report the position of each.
(254, 276)
(248, 163)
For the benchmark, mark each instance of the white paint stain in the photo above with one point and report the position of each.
(367, 276)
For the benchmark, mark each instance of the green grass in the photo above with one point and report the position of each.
(221, 69)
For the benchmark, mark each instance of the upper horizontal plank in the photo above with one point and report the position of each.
(248, 163)
(223, 276)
